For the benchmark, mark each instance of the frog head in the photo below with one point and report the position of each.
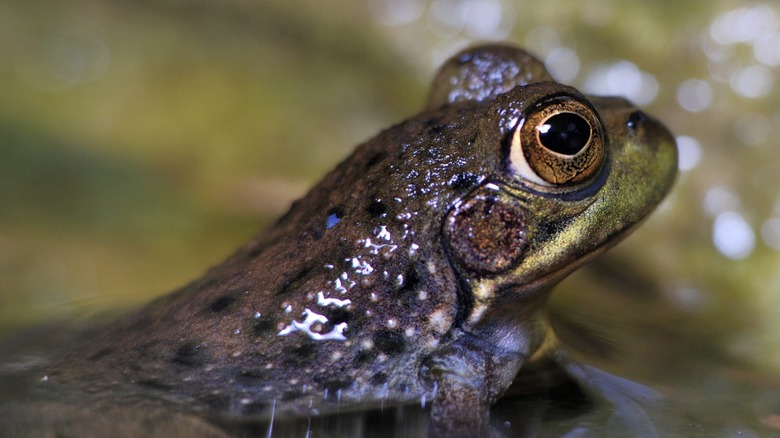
(567, 176)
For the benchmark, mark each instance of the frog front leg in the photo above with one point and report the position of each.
(479, 361)
(467, 376)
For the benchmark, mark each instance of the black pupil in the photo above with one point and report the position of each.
(564, 133)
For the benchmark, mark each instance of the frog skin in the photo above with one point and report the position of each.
(416, 271)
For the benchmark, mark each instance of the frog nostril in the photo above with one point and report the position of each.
(635, 119)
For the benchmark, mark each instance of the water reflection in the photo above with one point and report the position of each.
(754, 27)
(689, 150)
(752, 81)
(694, 95)
(622, 78)
(744, 25)
(733, 236)
(770, 233)
(752, 129)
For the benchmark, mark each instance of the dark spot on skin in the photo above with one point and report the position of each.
(103, 352)
(291, 395)
(473, 139)
(377, 208)
(143, 351)
(155, 384)
(464, 181)
(435, 126)
(378, 379)
(389, 342)
(411, 279)
(337, 315)
(253, 375)
(550, 228)
(262, 326)
(217, 402)
(407, 292)
(188, 354)
(303, 353)
(362, 357)
(256, 407)
(294, 280)
(374, 159)
(221, 303)
(315, 233)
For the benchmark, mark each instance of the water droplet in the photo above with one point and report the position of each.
(324, 302)
(310, 319)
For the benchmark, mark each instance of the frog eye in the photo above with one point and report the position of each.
(559, 142)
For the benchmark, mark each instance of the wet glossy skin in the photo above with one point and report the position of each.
(418, 269)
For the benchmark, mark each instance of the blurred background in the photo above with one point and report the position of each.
(141, 142)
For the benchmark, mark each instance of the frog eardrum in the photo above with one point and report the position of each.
(486, 233)
(559, 141)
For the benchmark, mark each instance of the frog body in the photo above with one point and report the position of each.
(417, 270)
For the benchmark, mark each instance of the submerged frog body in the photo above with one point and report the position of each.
(417, 270)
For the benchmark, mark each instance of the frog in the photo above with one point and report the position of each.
(417, 271)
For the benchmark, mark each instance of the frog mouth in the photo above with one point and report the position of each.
(516, 287)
